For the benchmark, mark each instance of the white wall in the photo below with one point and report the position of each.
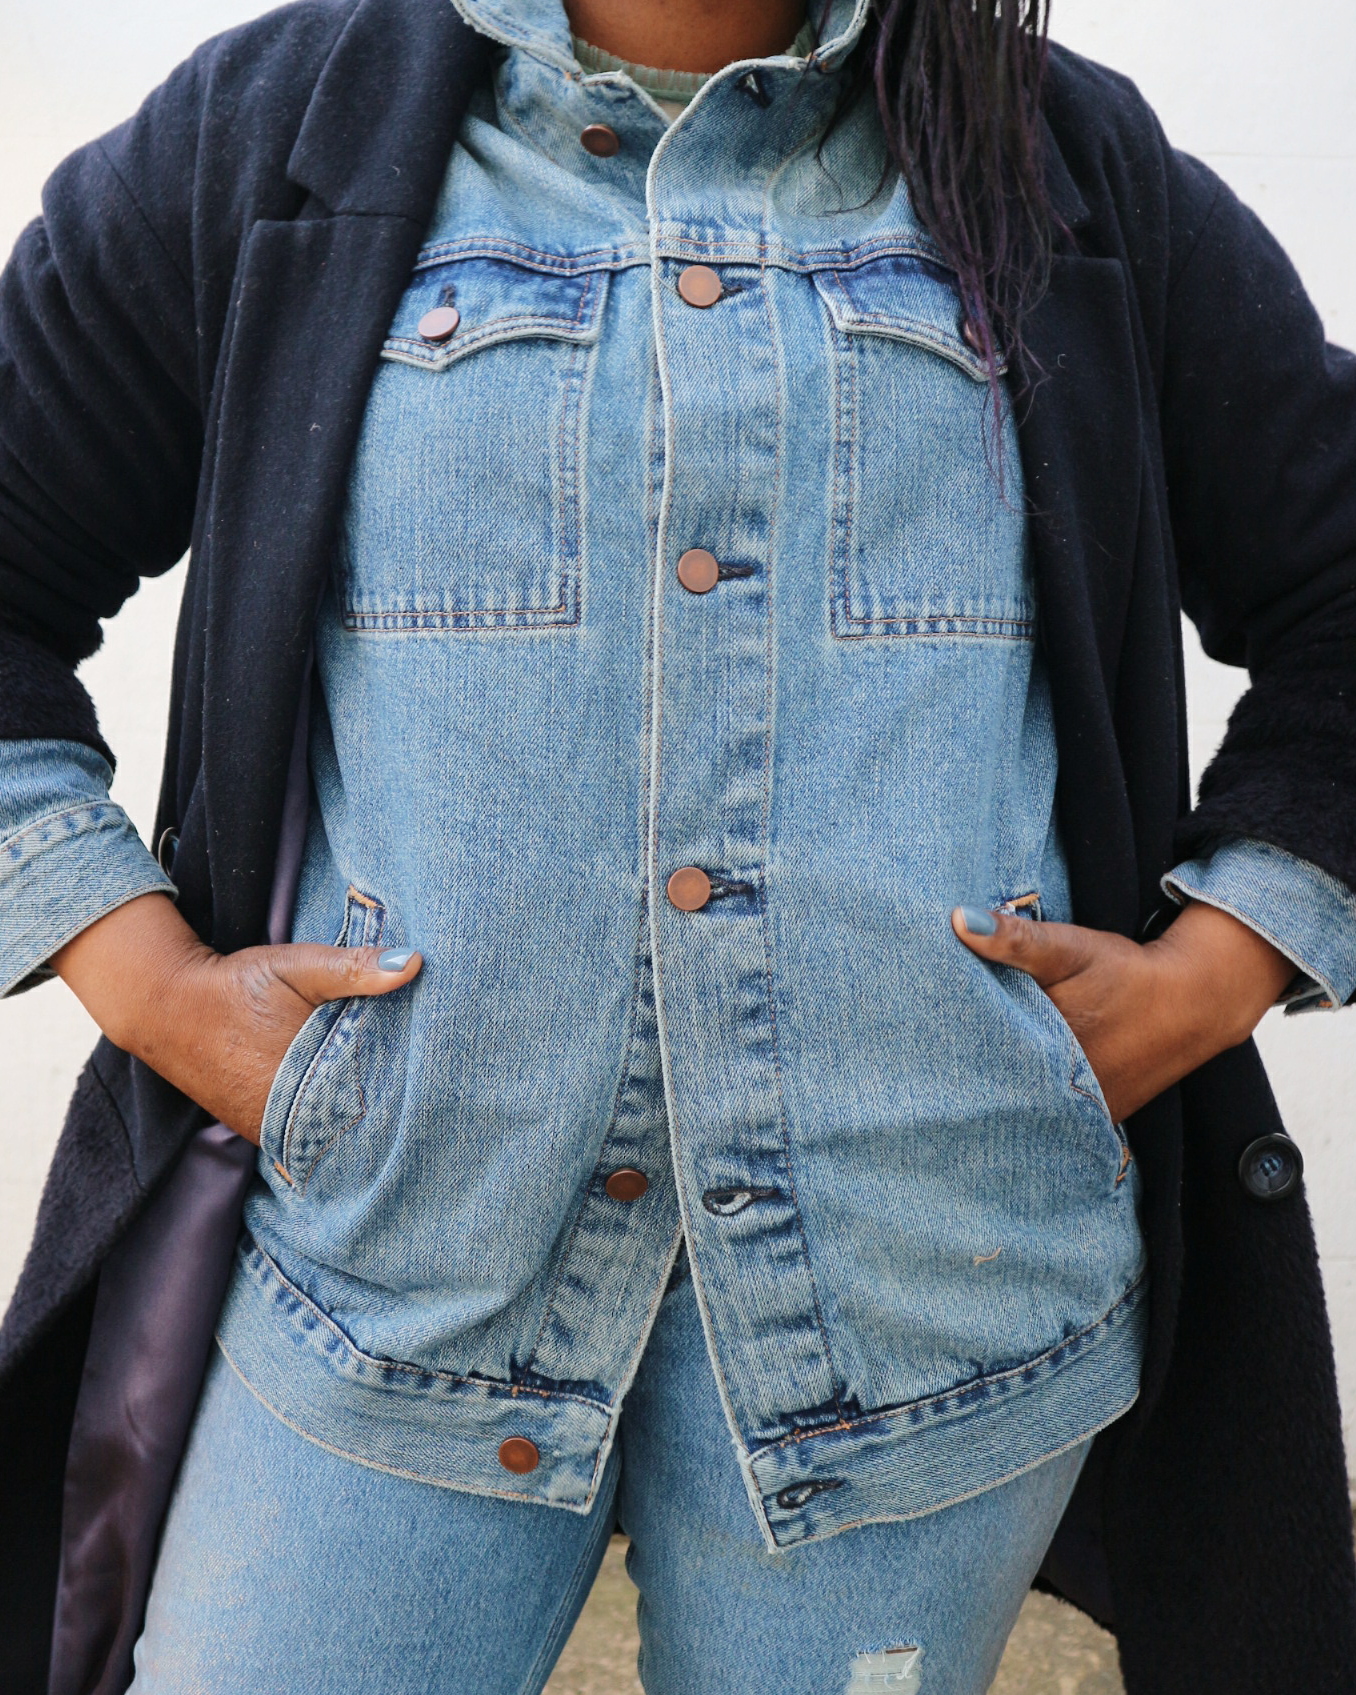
(1266, 93)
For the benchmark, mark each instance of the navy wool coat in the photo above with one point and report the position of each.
(187, 339)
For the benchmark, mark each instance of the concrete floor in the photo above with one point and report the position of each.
(1053, 1650)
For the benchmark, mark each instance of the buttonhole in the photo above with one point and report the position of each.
(751, 83)
(448, 295)
(723, 887)
(725, 572)
(799, 1494)
(725, 1203)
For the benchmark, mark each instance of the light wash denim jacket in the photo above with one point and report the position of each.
(911, 1221)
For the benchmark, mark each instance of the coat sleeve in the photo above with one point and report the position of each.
(113, 312)
(1259, 427)
(100, 419)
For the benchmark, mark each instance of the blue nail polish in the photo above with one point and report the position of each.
(395, 959)
(978, 922)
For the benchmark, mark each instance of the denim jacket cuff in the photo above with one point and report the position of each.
(58, 874)
(1308, 915)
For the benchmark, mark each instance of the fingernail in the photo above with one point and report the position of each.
(395, 959)
(977, 921)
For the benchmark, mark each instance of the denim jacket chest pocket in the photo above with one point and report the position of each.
(465, 508)
(924, 540)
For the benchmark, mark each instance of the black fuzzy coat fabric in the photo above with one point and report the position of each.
(187, 339)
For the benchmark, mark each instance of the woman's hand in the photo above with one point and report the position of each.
(1145, 1014)
(215, 1025)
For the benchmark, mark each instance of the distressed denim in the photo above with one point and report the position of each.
(286, 1568)
(911, 1219)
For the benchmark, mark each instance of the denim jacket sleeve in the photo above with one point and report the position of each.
(68, 854)
(1308, 915)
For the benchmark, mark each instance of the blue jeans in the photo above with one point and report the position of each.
(286, 1568)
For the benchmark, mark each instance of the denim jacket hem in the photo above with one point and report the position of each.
(439, 1428)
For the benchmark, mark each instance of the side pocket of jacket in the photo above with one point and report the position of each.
(317, 1095)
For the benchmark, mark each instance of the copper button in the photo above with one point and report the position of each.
(698, 571)
(971, 335)
(440, 324)
(700, 286)
(627, 1185)
(518, 1455)
(601, 140)
(689, 889)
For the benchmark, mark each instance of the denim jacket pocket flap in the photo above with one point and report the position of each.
(903, 298)
(492, 300)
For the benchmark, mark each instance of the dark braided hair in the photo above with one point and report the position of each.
(959, 84)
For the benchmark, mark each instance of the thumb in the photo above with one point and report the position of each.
(1049, 953)
(319, 974)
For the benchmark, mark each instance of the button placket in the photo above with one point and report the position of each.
(622, 1235)
(709, 845)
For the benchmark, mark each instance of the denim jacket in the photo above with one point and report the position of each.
(910, 1218)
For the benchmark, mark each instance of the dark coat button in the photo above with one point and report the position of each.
(601, 140)
(700, 286)
(698, 571)
(518, 1455)
(167, 851)
(1271, 1168)
(440, 324)
(627, 1185)
(689, 889)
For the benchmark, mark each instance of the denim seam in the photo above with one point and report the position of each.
(384, 1366)
(960, 1392)
(531, 258)
(585, 313)
(568, 513)
(849, 318)
(570, 482)
(970, 1494)
(110, 815)
(1103, 1111)
(623, 1078)
(632, 1366)
(841, 505)
(769, 706)
(763, 255)
(556, 1636)
(842, 519)
(375, 913)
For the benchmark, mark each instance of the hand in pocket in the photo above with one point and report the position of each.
(1147, 1013)
(215, 1025)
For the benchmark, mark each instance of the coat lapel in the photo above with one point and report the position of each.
(1080, 429)
(313, 300)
